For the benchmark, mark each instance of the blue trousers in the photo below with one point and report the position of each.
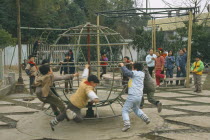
(181, 73)
(169, 74)
(132, 102)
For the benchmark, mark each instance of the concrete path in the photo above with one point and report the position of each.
(185, 116)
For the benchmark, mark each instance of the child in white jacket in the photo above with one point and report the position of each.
(135, 93)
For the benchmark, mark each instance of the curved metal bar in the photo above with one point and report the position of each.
(108, 45)
(78, 42)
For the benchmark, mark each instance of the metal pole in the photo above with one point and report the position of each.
(89, 112)
(154, 36)
(88, 46)
(146, 5)
(98, 46)
(189, 49)
(19, 85)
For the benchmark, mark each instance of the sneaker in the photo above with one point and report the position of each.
(157, 86)
(52, 126)
(125, 128)
(53, 123)
(147, 121)
(70, 114)
(159, 107)
(195, 91)
(199, 91)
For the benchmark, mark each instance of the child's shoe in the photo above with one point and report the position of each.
(125, 128)
(53, 123)
(70, 114)
(147, 121)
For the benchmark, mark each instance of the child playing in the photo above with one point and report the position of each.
(149, 90)
(79, 99)
(135, 93)
(43, 84)
(169, 65)
(126, 61)
(159, 66)
(31, 71)
(197, 70)
(103, 64)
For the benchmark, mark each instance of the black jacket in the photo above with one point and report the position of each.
(68, 68)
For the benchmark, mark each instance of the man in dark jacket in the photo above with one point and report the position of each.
(181, 62)
(68, 68)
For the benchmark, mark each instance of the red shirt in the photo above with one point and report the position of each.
(159, 62)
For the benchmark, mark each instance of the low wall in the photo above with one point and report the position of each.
(8, 84)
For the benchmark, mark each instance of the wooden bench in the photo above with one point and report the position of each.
(175, 79)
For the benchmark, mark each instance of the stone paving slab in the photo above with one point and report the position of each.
(14, 134)
(168, 126)
(187, 136)
(197, 99)
(23, 95)
(189, 91)
(36, 100)
(195, 108)
(110, 128)
(180, 89)
(17, 117)
(202, 121)
(204, 93)
(11, 109)
(45, 106)
(131, 138)
(3, 123)
(169, 102)
(172, 94)
(164, 111)
(6, 103)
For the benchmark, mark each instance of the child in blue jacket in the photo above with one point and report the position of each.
(135, 93)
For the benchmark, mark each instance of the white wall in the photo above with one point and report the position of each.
(128, 51)
(8, 54)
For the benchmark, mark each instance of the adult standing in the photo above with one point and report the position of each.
(150, 60)
(68, 68)
(181, 62)
(169, 65)
(71, 54)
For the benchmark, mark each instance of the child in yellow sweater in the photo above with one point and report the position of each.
(197, 70)
(79, 99)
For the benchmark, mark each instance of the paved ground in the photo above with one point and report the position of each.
(185, 116)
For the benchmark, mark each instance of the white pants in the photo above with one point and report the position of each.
(132, 102)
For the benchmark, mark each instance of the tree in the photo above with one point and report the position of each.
(6, 39)
(142, 40)
(200, 40)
